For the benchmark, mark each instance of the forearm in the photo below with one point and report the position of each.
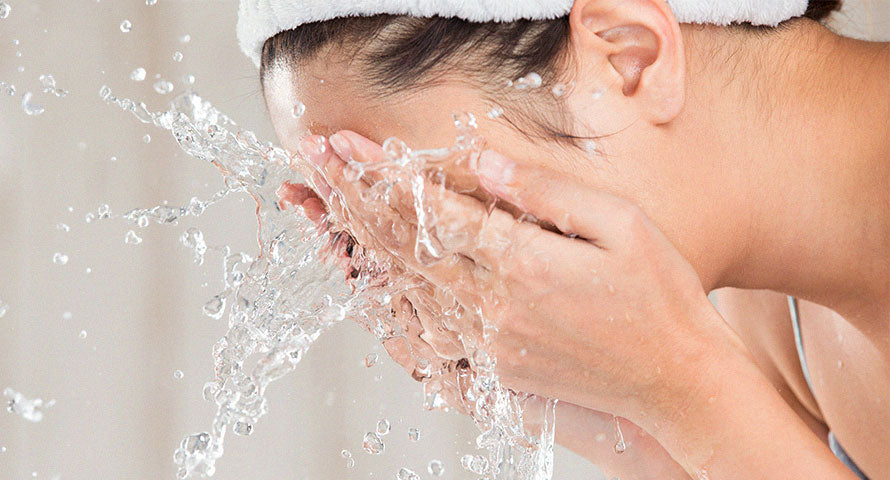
(591, 434)
(736, 426)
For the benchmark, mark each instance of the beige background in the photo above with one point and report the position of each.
(119, 412)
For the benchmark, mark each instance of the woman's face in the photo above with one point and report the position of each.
(629, 156)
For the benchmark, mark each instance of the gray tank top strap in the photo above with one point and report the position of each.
(798, 341)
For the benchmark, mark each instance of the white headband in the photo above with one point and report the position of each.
(259, 20)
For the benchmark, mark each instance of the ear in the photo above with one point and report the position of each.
(642, 42)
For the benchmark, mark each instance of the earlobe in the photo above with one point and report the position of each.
(643, 46)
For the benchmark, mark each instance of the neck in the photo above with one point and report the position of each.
(803, 199)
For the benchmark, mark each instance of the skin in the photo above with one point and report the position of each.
(684, 201)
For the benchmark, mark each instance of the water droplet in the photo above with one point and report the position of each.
(138, 74)
(177, 374)
(414, 434)
(383, 427)
(142, 221)
(495, 112)
(242, 428)
(214, 308)
(559, 89)
(435, 468)
(104, 211)
(63, 227)
(146, 138)
(105, 92)
(126, 26)
(151, 3)
(185, 38)
(163, 87)
(406, 474)
(132, 239)
(299, 110)
(89, 217)
(532, 80)
(3, 309)
(476, 464)
(30, 410)
(10, 90)
(189, 79)
(371, 360)
(4, 10)
(60, 258)
(372, 444)
(2, 449)
(82, 334)
(598, 94)
(350, 462)
(177, 56)
(620, 446)
(32, 109)
(67, 316)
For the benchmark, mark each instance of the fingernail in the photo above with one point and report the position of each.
(495, 169)
(314, 147)
(365, 149)
(341, 146)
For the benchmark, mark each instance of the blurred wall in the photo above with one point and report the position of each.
(119, 410)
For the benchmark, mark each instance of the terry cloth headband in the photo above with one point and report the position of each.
(260, 20)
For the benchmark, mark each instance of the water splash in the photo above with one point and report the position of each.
(30, 410)
(278, 301)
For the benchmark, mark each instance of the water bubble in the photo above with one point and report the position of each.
(406, 474)
(82, 334)
(371, 360)
(146, 138)
(215, 307)
(126, 26)
(4, 10)
(189, 79)
(132, 239)
(383, 427)
(177, 56)
(435, 468)
(163, 87)
(299, 110)
(242, 428)
(177, 374)
(138, 74)
(32, 109)
(142, 221)
(350, 462)
(414, 434)
(30, 410)
(63, 227)
(372, 444)
(60, 258)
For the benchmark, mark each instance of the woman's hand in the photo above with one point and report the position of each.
(603, 312)
(612, 317)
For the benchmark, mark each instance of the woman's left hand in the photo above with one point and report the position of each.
(606, 314)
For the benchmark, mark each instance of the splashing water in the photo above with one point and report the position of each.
(280, 300)
(30, 410)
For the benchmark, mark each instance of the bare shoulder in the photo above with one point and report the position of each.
(762, 320)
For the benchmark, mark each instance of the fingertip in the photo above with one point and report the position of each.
(362, 148)
(496, 172)
(315, 148)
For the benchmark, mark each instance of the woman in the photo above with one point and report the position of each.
(664, 161)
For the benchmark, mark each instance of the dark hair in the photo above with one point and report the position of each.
(400, 53)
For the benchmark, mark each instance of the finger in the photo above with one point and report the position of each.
(573, 208)
(398, 236)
